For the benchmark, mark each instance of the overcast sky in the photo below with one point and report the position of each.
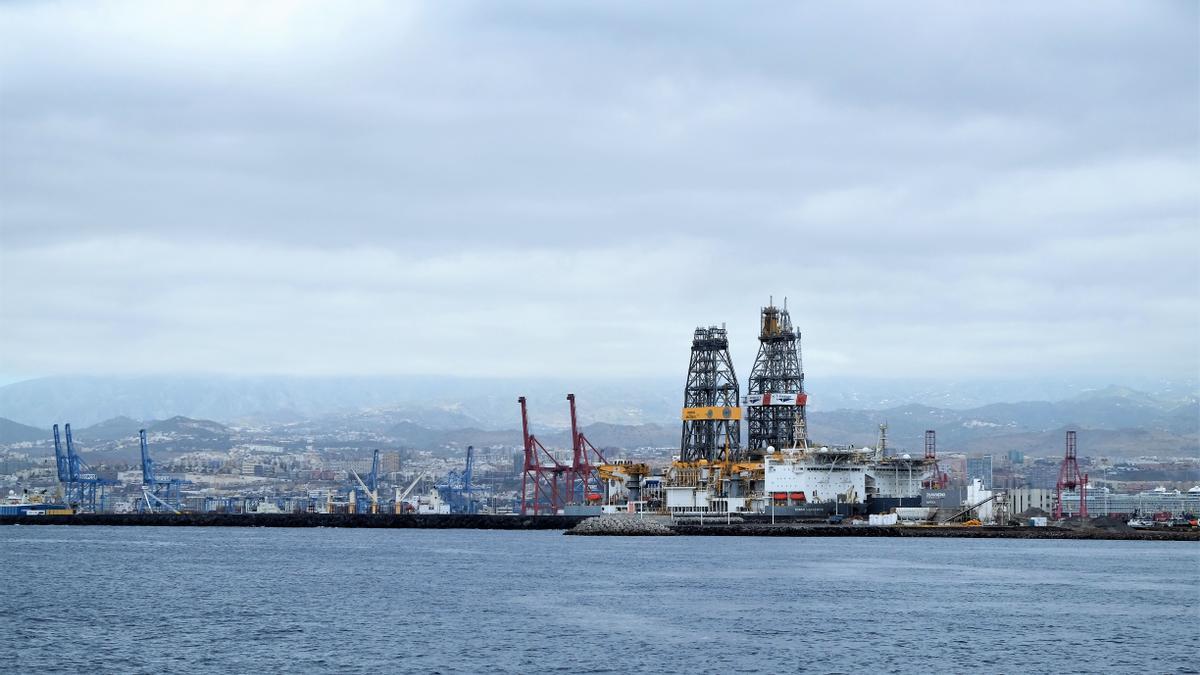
(547, 188)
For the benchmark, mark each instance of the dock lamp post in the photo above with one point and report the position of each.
(770, 451)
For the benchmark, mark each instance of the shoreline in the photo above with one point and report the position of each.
(304, 520)
(566, 523)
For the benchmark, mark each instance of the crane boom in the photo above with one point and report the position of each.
(371, 494)
(467, 471)
(412, 485)
(60, 460)
(72, 458)
(147, 463)
(373, 478)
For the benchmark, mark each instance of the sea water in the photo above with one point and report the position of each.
(235, 600)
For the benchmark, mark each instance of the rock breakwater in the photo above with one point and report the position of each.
(621, 526)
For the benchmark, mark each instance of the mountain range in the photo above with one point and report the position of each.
(1113, 421)
(456, 402)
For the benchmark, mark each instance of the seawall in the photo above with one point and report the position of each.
(381, 520)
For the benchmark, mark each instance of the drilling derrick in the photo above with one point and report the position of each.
(712, 428)
(1069, 478)
(776, 402)
(937, 480)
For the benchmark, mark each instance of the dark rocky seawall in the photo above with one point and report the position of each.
(382, 520)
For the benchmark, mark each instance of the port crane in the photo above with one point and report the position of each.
(401, 496)
(543, 473)
(158, 494)
(84, 488)
(585, 483)
(61, 463)
(369, 487)
(457, 490)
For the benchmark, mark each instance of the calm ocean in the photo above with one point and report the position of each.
(232, 600)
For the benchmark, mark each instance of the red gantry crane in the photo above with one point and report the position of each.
(541, 480)
(585, 483)
(1069, 478)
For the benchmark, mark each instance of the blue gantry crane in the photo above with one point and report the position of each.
(457, 491)
(366, 493)
(61, 462)
(84, 489)
(158, 493)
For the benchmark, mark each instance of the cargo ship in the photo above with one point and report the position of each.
(26, 504)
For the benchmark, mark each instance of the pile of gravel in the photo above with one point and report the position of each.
(621, 526)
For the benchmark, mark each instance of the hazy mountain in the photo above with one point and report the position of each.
(491, 403)
(187, 426)
(114, 429)
(962, 428)
(448, 402)
(436, 412)
(602, 435)
(15, 432)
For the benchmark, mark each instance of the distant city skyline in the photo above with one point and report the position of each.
(533, 190)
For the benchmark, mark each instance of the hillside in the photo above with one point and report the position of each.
(1115, 421)
(997, 424)
(115, 429)
(15, 432)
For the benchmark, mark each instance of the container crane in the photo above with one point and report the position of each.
(457, 491)
(585, 484)
(1071, 479)
(369, 487)
(543, 473)
(157, 493)
(61, 462)
(85, 488)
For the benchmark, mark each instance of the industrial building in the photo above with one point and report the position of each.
(980, 468)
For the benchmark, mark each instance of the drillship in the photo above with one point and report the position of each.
(779, 470)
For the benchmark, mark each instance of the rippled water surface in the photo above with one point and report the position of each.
(344, 600)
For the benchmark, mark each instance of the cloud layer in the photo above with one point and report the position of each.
(551, 188)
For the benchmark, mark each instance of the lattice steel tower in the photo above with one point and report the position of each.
(712, 427)
(776, 401)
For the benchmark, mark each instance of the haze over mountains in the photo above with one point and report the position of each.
(490, 403)
(436, 412)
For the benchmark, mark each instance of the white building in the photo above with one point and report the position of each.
(1021, 500)
(976, 493)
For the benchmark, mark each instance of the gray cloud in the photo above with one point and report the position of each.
(940, 189)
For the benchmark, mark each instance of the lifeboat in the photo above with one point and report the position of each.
(779, 496)
(798, 496)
